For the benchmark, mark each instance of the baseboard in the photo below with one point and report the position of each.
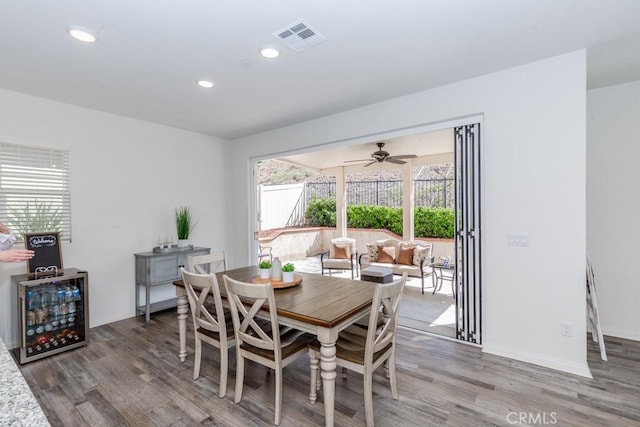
(581, 369)
(627, 335)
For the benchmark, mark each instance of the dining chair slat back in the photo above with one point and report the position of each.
(364, 350)
(209, 263)
(263, 342)
(210, 323)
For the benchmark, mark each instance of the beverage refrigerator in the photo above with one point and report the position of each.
(53, 313)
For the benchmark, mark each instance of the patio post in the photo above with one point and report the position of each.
(341, 202)
(408, 202)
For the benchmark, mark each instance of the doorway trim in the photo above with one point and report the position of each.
(390, 134)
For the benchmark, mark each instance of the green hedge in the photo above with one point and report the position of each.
(321, 213)
(429, 222)
(370, 216)
(434, 222)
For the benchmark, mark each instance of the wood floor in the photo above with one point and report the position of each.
(130, 375)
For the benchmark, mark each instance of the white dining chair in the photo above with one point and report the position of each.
(214, 328)
(209, 263)
(265, 343)
(364, 350)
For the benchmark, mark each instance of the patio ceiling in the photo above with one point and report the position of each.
(431, 148)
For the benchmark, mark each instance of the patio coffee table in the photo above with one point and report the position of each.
(377, 274)
(442, 272)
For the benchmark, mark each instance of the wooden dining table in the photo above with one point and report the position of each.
(320, 305)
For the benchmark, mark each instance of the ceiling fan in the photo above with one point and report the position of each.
(383, 156)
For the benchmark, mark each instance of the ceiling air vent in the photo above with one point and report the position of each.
(299, 35)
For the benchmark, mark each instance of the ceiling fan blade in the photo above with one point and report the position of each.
(361, 160)
(370, 163)
(395, 160)
(404, 156)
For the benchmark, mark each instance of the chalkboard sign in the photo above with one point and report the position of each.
(48, 255)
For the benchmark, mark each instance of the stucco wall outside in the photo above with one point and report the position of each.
(298, 243)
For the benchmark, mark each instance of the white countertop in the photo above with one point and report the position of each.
(18, 405)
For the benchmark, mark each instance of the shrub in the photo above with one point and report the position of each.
(321, 213)
(429, 222)
(365, 216)
(434, 222)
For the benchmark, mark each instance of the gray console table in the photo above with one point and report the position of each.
(160, 268)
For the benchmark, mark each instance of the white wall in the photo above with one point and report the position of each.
(613, 204)
(127, 176)
(533, 162)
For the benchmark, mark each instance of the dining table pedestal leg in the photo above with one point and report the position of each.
(328, 373)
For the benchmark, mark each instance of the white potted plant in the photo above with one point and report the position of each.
(287, 273)
(265, 269)
(184, 225)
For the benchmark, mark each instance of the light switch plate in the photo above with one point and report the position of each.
(517, 240)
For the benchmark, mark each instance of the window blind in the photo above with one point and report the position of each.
(34, 190)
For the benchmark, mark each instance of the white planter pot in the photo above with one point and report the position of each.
(183, 243)
(265, 273)
(287, 276)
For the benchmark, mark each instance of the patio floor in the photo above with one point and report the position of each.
(434, 313)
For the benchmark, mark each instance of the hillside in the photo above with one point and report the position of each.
(275, 172)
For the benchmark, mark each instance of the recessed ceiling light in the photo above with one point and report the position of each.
(82, 34)
(270, 52)
(205, 83)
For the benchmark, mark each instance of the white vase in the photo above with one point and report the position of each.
(183, 243)
(276, 269)
(265, 273)
(287, 276)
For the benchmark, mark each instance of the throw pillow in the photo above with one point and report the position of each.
(406, 255)
(420, 253)
(372, 248)
(341, 251)
(387, 254)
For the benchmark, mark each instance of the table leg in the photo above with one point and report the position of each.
(183, 310)
(147, 303)
(137, 299)
(435, 279)
(328, 373)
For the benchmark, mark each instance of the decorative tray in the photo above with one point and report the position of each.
(173, 248)
(279, 284)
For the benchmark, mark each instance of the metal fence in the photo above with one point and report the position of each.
(434, 193)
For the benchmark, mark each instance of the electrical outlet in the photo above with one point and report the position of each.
(566, 329)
